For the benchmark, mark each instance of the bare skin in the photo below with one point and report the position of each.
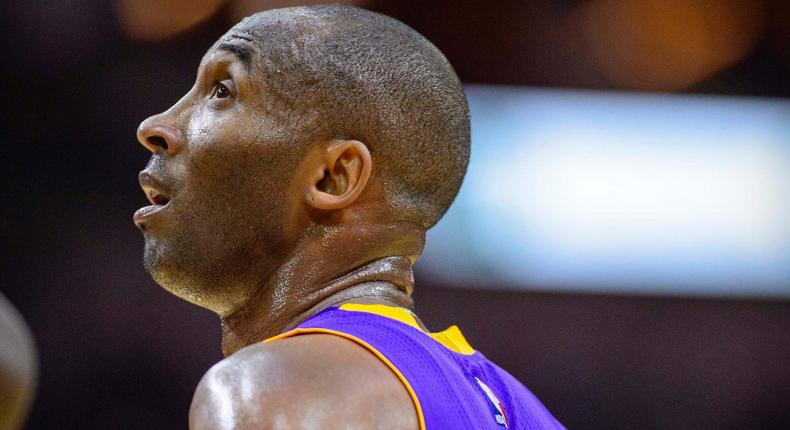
(311, 232)
(283, 386)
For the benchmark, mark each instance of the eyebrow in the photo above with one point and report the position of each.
(244, 54)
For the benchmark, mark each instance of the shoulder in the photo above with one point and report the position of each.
(307, 381)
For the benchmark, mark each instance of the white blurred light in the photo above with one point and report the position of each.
(616, 192)
(589, 192)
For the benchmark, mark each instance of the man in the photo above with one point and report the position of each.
(291, 189)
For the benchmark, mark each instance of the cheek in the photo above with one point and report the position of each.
(236, 189)
(220, 159)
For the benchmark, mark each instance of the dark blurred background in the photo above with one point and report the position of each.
(116, 351)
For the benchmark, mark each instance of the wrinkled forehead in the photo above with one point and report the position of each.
(275, 31)
(236, 44)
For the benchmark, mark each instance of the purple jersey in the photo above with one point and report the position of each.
(452, 385)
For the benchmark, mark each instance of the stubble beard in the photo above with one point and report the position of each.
(218, 268)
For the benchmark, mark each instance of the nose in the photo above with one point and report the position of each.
(157, 136)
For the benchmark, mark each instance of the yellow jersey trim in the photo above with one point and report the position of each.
(399, 314)
(452, 338)
(369, 347)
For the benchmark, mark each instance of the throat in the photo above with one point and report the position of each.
(379, 271)
(369, 293)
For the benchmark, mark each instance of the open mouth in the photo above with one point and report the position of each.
(155, 190)
(158, 194)
(157, 198)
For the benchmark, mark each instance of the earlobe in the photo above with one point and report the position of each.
(341, 176)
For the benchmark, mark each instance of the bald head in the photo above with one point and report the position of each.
(343, 72)
(301, 120)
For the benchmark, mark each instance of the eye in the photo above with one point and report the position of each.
(220, 91)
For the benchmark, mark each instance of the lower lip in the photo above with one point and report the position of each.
(147, 213)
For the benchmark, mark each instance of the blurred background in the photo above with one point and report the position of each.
(633, 268)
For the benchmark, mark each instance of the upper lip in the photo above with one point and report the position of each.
(155, 190)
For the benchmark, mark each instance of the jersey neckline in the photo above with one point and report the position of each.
(451, 338)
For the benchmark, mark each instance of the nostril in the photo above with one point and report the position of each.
(157, 141)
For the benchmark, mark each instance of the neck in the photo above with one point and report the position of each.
(330, 266)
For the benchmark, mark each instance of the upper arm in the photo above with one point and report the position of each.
(308, 381)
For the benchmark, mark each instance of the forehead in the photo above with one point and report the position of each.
(236, 45)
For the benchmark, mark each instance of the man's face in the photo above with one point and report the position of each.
(220, 181)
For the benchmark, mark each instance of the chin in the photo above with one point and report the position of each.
(171, 275)
(181, 275)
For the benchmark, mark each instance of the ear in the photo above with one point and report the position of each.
(340, 176)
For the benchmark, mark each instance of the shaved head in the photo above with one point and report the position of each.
(344, 72)
(301, 122)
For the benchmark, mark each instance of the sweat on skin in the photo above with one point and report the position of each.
(300, 172)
